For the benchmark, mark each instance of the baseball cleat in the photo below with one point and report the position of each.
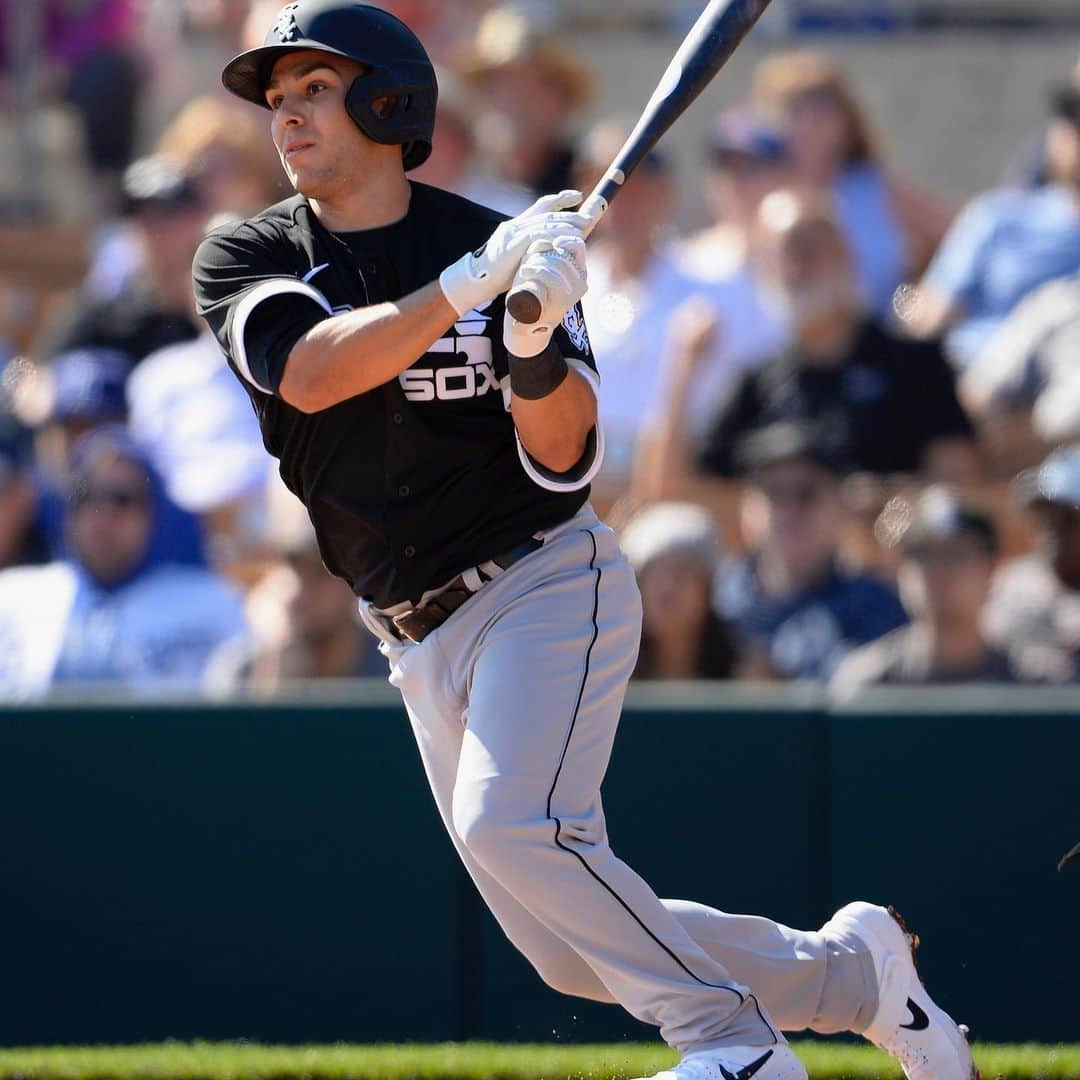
(737, 1063)
(926, 1041)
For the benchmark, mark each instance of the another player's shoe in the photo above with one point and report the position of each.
(738, 1063)
(926, 1041)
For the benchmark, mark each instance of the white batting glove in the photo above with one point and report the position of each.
(480, 276)
(557, 267)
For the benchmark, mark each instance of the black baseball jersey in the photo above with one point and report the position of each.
(412, 482)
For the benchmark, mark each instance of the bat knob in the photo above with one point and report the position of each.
(525, 305)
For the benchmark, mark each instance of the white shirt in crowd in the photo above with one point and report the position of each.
(196, 422)
(156, 634)
(629, 326)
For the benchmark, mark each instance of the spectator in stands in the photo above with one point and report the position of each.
(889, 402)
(636, 285)
(1035, 599)
(78, 392)
(948, 550)
(21, 539)
(223, 147)
(196, 423)
(152, 308)
(530, 85)
(675, 552)
(746, 158)
(798, 611)
(891, 227)
(1023, 388)
(454, 164)
(306, 621)
(1005, 244)
(109, 613)
(93, 62)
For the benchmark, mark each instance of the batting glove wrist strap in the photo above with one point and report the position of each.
(534, 377)
(481, 275)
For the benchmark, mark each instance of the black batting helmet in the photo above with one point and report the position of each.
(397, 67)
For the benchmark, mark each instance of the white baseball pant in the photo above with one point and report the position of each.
(514, 703)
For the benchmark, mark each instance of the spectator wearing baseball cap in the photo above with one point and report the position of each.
(1035, 599)
(746, 160)
(150, 306)
(1005, 244)
(798, 610)
(892, 401)
(948, 552)
(675, 551)
(746, 157)
(110, 612)
(83, 390)
(80, 389)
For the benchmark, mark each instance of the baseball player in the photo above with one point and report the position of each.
(444, 454)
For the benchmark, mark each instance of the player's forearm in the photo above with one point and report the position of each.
(554, 428)
(359, 350)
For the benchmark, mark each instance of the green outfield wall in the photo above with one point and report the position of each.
(276, 871)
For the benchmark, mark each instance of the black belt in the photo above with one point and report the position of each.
(416, 623)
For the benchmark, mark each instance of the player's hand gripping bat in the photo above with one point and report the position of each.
(714, 37)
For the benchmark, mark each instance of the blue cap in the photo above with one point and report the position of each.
(741, 130)
(88, 384)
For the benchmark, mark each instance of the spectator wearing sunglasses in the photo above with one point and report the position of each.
(948, 551)
(79, 391)
(797, 610)
(110, 614)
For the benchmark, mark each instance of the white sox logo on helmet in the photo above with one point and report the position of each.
(285, 27)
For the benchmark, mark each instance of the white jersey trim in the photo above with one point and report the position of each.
(266, 291)
(583, 472)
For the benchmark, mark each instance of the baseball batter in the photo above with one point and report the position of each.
(444, 454)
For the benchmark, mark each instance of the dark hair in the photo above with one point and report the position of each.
(717, 656)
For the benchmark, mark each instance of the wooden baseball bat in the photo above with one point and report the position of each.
(711, 41)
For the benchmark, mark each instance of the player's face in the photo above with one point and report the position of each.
(321, 149)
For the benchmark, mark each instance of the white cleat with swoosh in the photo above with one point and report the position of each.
(738, 1063)
(926, 1041)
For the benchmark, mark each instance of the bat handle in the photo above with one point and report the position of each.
(526, 302)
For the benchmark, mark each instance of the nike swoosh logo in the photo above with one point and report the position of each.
(919, 1020)
(747, 1070)
(313, 271)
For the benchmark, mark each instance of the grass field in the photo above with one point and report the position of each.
(468, 1061)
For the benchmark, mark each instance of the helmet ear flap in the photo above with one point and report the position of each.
(395, 105)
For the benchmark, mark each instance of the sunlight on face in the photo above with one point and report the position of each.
(321, 148)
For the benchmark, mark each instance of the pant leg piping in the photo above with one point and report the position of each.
(558, 824)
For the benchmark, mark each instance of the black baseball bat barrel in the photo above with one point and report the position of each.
(706, 49)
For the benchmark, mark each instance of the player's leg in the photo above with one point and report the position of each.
(546, 681)
(436, 715)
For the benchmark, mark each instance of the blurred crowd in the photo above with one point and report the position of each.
(842, 415)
